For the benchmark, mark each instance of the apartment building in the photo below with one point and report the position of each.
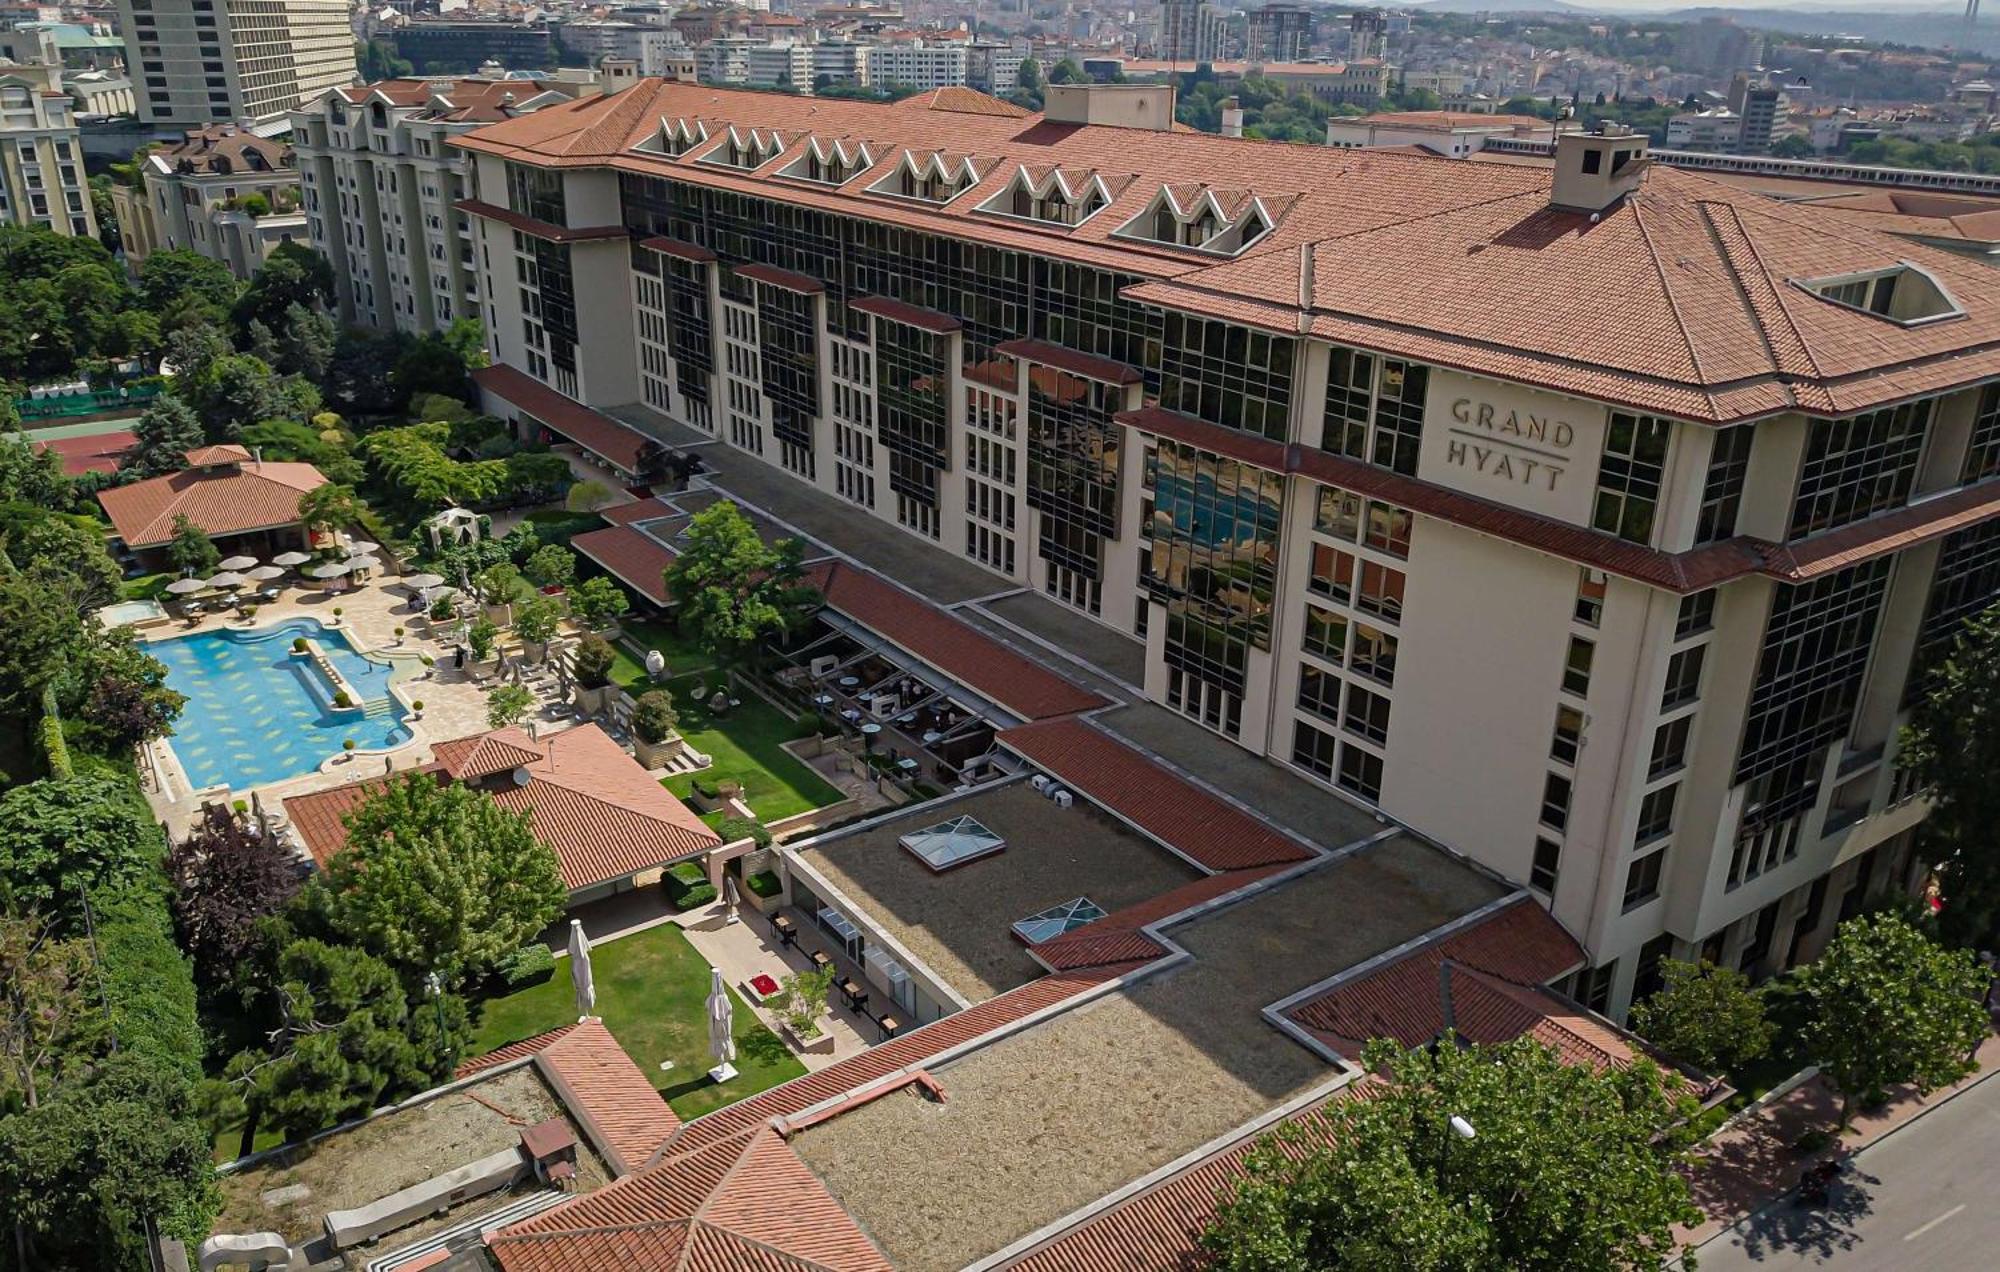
(380, 189)
(1278, 33)
(196, 62)
(923, 64)
(1191, 32)
(41, 158)
(1341, 450)
(200, 194)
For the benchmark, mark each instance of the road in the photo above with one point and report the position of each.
(1922, 1198)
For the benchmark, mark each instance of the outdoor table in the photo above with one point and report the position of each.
(890, 1027)
(906, 764)
(850, 714)
(857, 997)
(932, 737)
(850, 682)
(820, 960)
(871, 728)
(788, 931)
(823, 699)
(908, 717)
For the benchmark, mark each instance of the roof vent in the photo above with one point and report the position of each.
(1596, 169)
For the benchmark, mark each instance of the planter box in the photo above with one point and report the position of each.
(500, 615)
(654, 755)
(593, 701)
(820, 1044)
(766, 906)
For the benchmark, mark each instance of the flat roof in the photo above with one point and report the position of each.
(959, 921)
(1045, 1121)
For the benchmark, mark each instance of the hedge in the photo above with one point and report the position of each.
(148, 982)
(688, 886)
(734, 828)
(55, 748)
(764, 884)
(529, 965)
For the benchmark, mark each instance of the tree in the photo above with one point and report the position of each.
(238, 390)
(508, 705)
(1886, 1004)
(293, 275)
(225, 882)
(163, 436)
(1952, 745)
(1029, 76)
(536, 619)
(499, 583)
(52, 1013)
(480, 638)
(1705, 1016)
(66, 552)
(188, 353)
(587, 496)
(27, 475)
(732, 589)
(306, 342)
(82, 1173)
(653, 716)
(1795, 146)
(438, 877)
(592, 661)
(432, 364)
(179, 284)
(551, 565)
(330, 508)
(191, 551)
(64, 836)
(597, 602)
(1566, 1169)
(124, 693)
(39, 633)
(1066, 72)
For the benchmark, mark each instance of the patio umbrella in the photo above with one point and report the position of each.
(237, 563)
(185, 587)
(579, 970)
(291, 558)
(731, 898)
(265, 573)
(422, 582)
(721, 1028)
(360, 547)
(227, 579)
(364, 563)
(331, 570)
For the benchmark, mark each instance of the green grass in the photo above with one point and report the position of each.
(682, 655)
(747, 745)
(651, 987)
(147, 587)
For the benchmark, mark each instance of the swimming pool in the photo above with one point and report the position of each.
(256, 714)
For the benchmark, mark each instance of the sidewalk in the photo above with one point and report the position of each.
(1752, 1162)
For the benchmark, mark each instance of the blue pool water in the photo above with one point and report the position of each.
(255, 714)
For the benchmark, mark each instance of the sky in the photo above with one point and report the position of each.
(1872, 6)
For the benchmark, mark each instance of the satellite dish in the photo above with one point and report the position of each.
(522, 777)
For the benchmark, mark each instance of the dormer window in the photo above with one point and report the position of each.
(935, 177)
(748, 151)
(677, 136)
(1904, 293)
(1210, 220)
(1060, 197)
(829, 165)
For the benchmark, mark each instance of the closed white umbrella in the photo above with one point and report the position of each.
(291, 558)
(579, 970)
(331, 570)
(731, 899)
(721, 1028)
(185, 587)
(364, 563)
(237, 563)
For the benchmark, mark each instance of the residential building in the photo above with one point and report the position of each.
(1191, 32)
(381, 191)
(1446, 133)
(457, 46)
(41, 159)
(192, 196)
(197, 62)
(1379, 535)
(1717, 130)
(993, 68)
(1762, 107)
(1278, 33)
(643, 43)
(840, 62)
(1367, 35)
(921, 64)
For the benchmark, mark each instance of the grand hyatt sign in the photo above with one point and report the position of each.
(1509, 444)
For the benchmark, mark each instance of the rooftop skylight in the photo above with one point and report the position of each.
(1058, 919)
(952, 843)
(1903, 293)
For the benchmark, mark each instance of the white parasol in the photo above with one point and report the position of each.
(291, 558)
(331, 570)
(237, 563)
(227, 579)
(579, 970)
(721, 1028)
(265, 573)
(185, 587)
(422, 582)
(360, 547)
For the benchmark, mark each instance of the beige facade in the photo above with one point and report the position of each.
(196, 62)
(193, 195)
(41, 160)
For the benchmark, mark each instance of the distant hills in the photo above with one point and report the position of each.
(1935, 28)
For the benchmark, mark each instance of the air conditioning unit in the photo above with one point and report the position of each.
(1054, 791)
(1063, 799)
(823, 666)
(1040, 782)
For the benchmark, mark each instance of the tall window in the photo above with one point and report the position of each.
(1859, 466)
(1982, 456)
(1629, 478)
(1226, 374)
(1375, 409)
(1722, 491)
(1809, 673)
(1547, 862)
(1642, 880)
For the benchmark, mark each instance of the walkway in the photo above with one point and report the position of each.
(1752, 1163)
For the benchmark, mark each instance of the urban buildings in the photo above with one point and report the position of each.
(1191, 32)
(41, 158)
(197, 62)
(458, 46)
(1624, 611)
(1717, 130)
(221, 191)
(381, 189)
(1761, 107)
(1452, 134)
(1278, 33)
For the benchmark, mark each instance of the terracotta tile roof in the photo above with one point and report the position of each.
(904, 1051)
(909, 315)
(638, 560)
(512, 1051)
(607, 1092)
(625, 447)
(955, 648)
(98, 453)
(1116, 938)
(535, 228)
(221, 150)
(745, 1203)
(1089, 366)
(602, 815)
(1520, 943)
(674, 247)
(465, 99)
(790, 280)
(221, 500)
(1202, 827)
(1490, 1009)
(957, 99)
(210, 456)
(484, 754)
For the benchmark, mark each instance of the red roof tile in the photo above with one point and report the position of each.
(909, 315)
(1201, 826)
(1117, 937)
(625, 447)
(1089, 366)
(484, 754)
(235, 498)
(534, 228)
(638, 560)
(607, 1092)
(674, 247)
(602, 815)
(790, 280)
(512, 1051)
(1520, 942)
(97, 453)
(955, 648)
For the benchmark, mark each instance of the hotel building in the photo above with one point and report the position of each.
(196, 62)
(41, 158)
(1595, 524)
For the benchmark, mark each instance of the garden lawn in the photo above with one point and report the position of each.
(747, 745)
(682, 655)
(147, 587)
(651, 988)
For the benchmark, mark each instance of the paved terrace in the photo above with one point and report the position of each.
(960, 922)
(1042, 1122)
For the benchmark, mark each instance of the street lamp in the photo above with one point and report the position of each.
(1459, 1128)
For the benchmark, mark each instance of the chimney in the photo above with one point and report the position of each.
(1232, 117)
(1595, 170)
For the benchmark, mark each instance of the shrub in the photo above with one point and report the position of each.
(340, 699)
(654, 717)
(1813, 1140)
(529, 965)
(706, 789)
(593, 660)
(417, 704)
(734, 828)
(806, 725)
(764, 883)
(298, 644)
(55, 747)
(688, 887)
(481, 638)
(441, 609)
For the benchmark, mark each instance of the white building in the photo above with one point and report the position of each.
(1442, 132)
(919, 64)
(1718, 130)
(41, 158)
(195, 62)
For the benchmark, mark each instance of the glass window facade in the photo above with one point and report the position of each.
(1966, 582)
(1859, 466)
(1375, 409)
(1073, 446)
(1982, 455)
(1226, 374)
(536, 192)
(1722, 489)
(1630, 474)
(788, 357)
(910, 386)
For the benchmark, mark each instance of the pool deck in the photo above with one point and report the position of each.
(454, 705)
